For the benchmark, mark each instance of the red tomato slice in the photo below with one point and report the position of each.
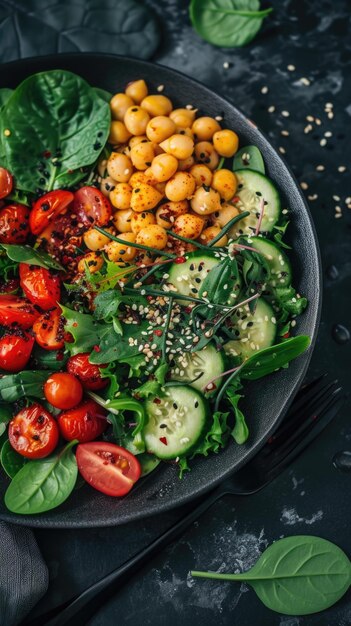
(15, 311)
(49, 331)
(88, 373)
(63, 390)
(85, 422)
(6, 182)
(47, 208)
(33, 432)
(15, 351)
(14, 223)
(92, 207)
(40, 286)
(107, 467)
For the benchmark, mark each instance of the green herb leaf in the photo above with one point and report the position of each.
(26, 384)
(5, 93)
(286, 298)
(270, 359)
(8, 268)
(297, 575)
(26, 254)
(102, 93)
(43, 485)
(240, 432)
(121, 404)
(5, 414)
(83, 328)
(53, 360)
(249, 157)
(227, 23)
(11, 461)
(23, 197)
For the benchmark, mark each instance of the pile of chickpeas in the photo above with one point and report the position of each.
(162, 175)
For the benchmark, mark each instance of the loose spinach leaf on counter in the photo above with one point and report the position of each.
(297, 575)
(11, 461)
(227, 23)
(249, 157)
(44, 484)
(26, 384)
(27, 254)
(56, 122)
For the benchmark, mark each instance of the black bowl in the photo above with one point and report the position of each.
(267, 400)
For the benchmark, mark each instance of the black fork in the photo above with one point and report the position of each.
(313, 409)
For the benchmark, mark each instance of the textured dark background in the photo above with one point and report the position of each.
(312, 497)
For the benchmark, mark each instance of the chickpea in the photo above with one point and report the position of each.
(119, 104)
(119, 167)
(205, 153)
(180, 187)
(202, 174)
(136, 120)
(137, 139)
(157, 149)
(185, 131)
(186, 164)
(183, 117)
(163, 167)
(204, 128)
(225, 214)
(226, 142)
(121, 196)
(145, 177)
(167, 213)
(154, 236)
(137, 90)
(118, 133)
(94, 240)
(210, 233)
(107, 185)
(205, 201)
(121, 252)
(122, 220)
(101, 168)
(144, 198)
(225, 182)
(188, 225)
(141, 220)
(91, 262)
(179, 146)
(142, 155)
(157, 105)
(160, 128)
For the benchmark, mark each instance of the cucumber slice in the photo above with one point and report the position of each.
(255, 331)
(277, 260)
(252, 187)
(176, 422)
(187, 277)
(208, 362)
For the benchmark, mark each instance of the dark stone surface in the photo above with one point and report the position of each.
(312, 497)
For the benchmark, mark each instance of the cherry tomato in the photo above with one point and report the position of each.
(47, 208)
(5, 183)
(88, 373)
(15, 311)
(85, 422)
(15, 351)
(49, 331)
(10, 286)
(107, 467)
(63, 390)
(40, 286)
(14, 225)
(33, 432)
(91, 206)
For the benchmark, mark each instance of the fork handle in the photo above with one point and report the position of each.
(81, 609)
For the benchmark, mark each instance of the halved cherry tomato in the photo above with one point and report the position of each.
(63, 390)
(85, 422)
(14, 224)
(6, 182)
(49, 330)
(15, 351)
(15, 311)
(40, 286)
(47, 208)
(91, 206)
(107, 467)
(88, 373)
(33, 432)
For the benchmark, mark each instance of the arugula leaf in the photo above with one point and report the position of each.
(28, 383)
(279, 231)
(83, 328)
(286, 299)
(108, 278)
(117, 406)
(17, 195)
(221, 281)
(249, 157)
(107, 304)
(26, 254)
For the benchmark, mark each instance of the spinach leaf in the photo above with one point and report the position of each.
(5, 414)
(2, 428)
(270, 359)
(26, 254)
(296, 575)
(227, 23)
(55, 119)
(43, 485)
(11, 461)
(26, 384)
(5, 93)
(102, 93)
(249, 157)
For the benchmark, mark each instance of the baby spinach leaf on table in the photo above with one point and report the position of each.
(227, 23)
(44, 484)
(26, 384)
(249, 157)
(11, 461)
(26, 254)
(56, 119)
(297, 575)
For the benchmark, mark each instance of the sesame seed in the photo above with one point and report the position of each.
(285, 133)
(337, 198)
(330, 115)
(305, 81)
(328, 133)
(7, 132)
(293, 323)
(310, 118)
(341, 168)
(320, 168)
(312, 197)
(285, 113)
(323, 142)
(291, 68)
(285, 211)
(218, 118)
(304, 185)
(338, 209)
(189, 107)
(264, 90)
(307, 129)
(271, 109)
(160, 88)
(282, 150)
(225, 65)
(337, 215)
